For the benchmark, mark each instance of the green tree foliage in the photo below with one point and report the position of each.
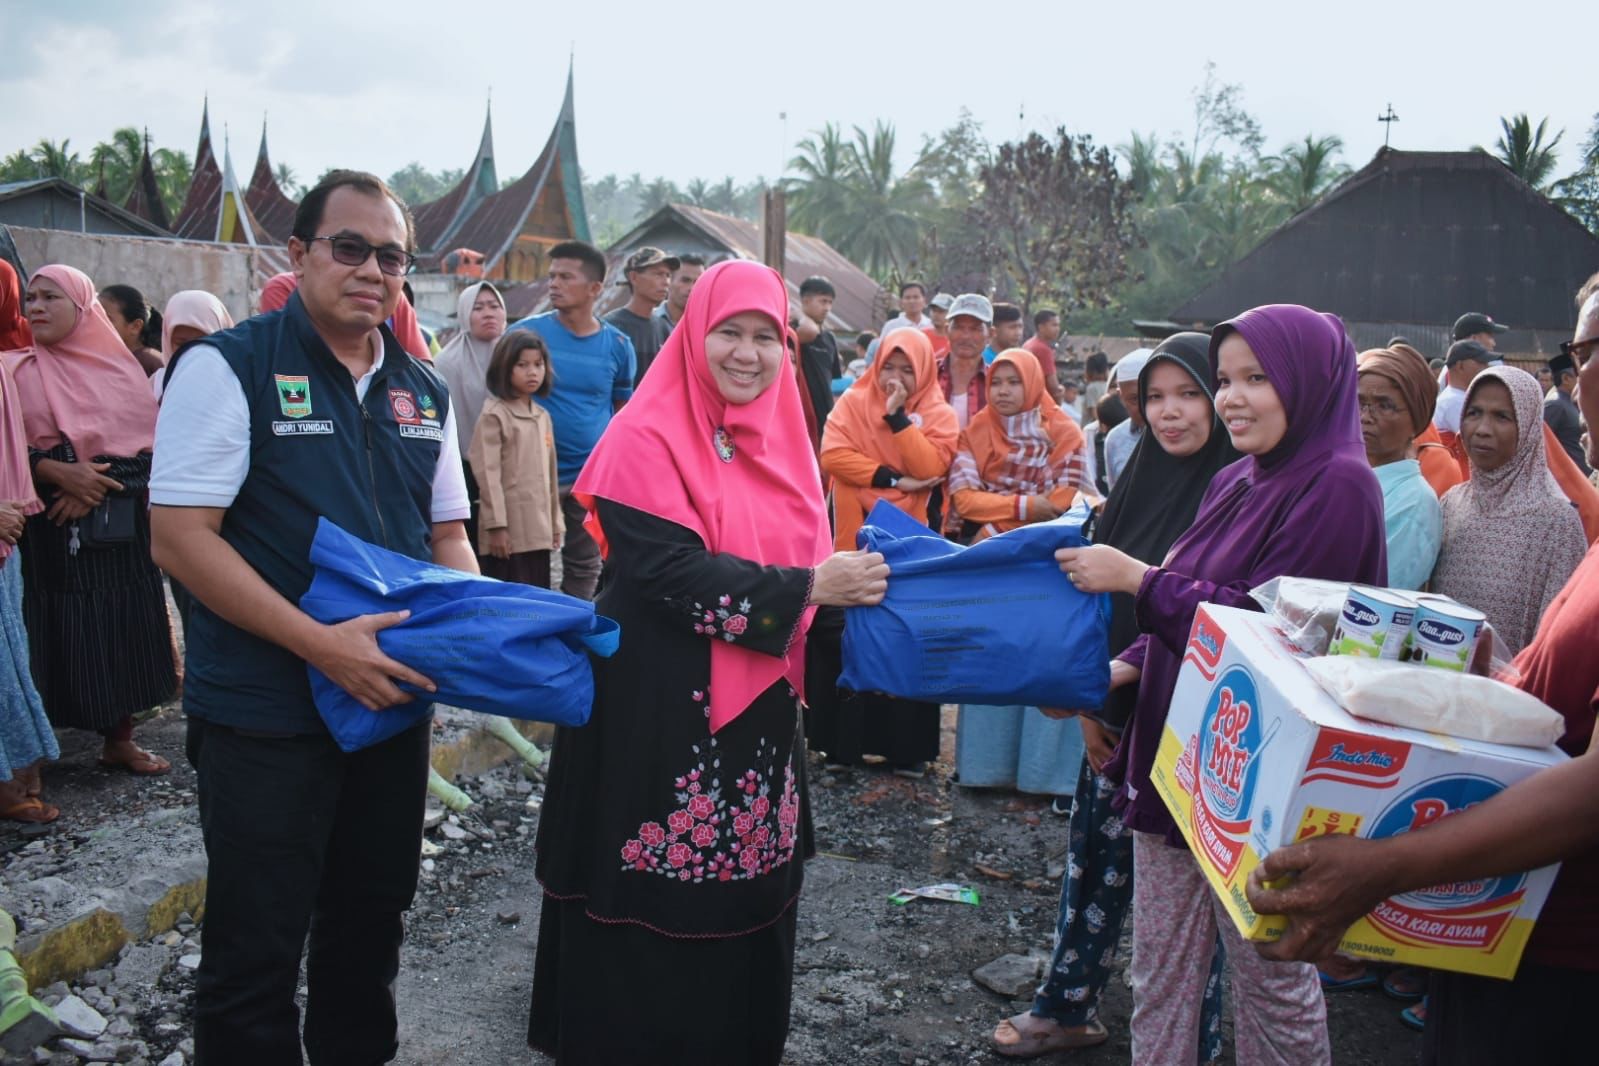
(1578, 192)
(851, 195)
(1523, 149)
(417, 185)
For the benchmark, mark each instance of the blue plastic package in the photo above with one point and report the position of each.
(491, 646)
(996, 623)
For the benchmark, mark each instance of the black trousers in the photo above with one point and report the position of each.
(1536, 1018)
(301, 837)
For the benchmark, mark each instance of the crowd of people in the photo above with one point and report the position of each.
(701, 460)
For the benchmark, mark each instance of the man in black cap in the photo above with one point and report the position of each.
(648, 274)
(1476, 326)
(1466, 359)
(1560, 410)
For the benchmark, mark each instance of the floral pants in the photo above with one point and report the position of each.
(1095, 895)
(1279, 1015)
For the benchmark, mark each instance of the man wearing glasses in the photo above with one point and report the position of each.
(1580, 350)
(314, 410)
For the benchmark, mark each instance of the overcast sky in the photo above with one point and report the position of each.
(696, 89)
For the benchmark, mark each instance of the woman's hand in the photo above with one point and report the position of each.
(916, 484)
(499, 544)
(896, 397)
(12, 522)
(850, 579)
(1099, 743)
(1101, 568)
(68, 509)
(85, 482)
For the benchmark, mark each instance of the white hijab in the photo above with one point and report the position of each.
(464, 365)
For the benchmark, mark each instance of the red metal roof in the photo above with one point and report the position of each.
(271, 208)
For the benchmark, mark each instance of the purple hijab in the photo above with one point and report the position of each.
(1309, 508)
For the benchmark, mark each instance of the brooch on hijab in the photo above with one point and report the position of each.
(724, 444)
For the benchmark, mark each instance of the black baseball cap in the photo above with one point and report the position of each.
(1561, 364)
(1462, 351)
(1474, 322)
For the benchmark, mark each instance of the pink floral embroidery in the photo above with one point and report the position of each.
(736, 624)
(732, 831)
(722, 620)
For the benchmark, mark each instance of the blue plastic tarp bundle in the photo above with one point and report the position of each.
(491, 646)
(995, 623)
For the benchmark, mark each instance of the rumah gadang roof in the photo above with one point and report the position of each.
(678, 228)
(267, 200)
(547, 200)
(1416, 237)
(197, 218)
(438, 219)
(144, 199)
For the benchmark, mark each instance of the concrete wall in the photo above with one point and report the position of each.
(157, 268)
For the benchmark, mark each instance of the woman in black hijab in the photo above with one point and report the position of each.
(1153, 504)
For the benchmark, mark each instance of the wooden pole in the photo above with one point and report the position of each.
(774, 236)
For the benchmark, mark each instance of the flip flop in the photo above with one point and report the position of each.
(145, 764)
(1415, 1016)
(33, 810)
(1406, 984)
(1348, 984)
(1049, 1037)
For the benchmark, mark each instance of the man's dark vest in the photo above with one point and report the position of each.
(314, 450)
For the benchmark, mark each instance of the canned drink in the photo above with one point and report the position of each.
(1445, 634)
(1374, 623)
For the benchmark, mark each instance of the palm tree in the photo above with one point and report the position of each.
(1300, 173)
(117, 162)
(888, 210)
(698, 193)
(1522, 149)
(284, 175)
(816, 199)
(60, 161)
(173, 173)
(657, 194)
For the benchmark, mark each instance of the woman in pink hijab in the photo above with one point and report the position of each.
(96, 613)
(675, 824)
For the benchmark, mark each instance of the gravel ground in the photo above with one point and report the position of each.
(874, 982)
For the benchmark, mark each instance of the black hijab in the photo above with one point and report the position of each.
(1156, 498)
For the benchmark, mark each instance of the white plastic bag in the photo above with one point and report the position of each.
(1438, 701)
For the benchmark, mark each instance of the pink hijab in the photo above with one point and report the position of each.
(16, 479)
(192, 307)
(276, 292)
(765, 505)
(87, 387)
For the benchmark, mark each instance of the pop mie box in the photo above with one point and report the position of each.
(1243, 693)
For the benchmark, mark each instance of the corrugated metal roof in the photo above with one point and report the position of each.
(1417, 237)
(437, 220)
(856, 305)
(197, 218)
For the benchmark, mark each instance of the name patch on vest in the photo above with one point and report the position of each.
(421, 432)
(300, 429)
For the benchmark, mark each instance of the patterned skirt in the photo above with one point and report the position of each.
(25, 734)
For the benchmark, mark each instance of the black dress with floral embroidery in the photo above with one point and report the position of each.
(671, 859)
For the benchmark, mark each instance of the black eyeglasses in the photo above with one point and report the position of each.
(353, 251)
(1577, 349)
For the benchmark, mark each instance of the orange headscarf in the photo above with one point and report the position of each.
(986, 434)
(857, 423)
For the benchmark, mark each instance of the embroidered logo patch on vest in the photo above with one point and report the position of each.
(429, 408)
(294, 395)
(403, 404)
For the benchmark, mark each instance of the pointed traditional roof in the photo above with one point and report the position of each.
(1414, 238)
(267, 199)
(236, 223)
(144, 199)
(437, 220)
(543, 206)
(197, 219)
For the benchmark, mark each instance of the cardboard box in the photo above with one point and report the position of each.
(1255, 755)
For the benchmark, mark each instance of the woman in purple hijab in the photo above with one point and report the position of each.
(1302, 502)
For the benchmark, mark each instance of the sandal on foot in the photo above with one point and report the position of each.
(32, 810)
(1415, 1016)
(144, 764)
(1330, 983)
(1037, 1036)
(1406, 983)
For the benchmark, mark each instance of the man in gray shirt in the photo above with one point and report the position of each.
(648, 274)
